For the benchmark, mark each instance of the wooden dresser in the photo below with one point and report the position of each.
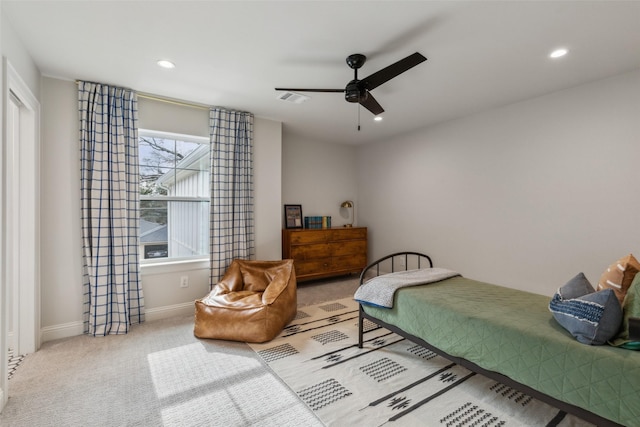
(326, 252)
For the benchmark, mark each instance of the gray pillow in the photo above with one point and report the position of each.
(593, 318)
(576, 287)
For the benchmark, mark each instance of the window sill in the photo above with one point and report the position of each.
(163, 267)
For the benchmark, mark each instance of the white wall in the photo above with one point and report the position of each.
(526, 196)
(167, 117)
(16, 53)
(319, 176)
(61, 241)
(267, 175)
(61, 248)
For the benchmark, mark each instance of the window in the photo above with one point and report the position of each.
(174, 195)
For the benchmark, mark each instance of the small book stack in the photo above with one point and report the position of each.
(317, 222)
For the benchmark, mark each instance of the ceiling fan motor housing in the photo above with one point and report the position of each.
(354, 92)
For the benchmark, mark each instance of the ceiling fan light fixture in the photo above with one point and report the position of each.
(354, 93)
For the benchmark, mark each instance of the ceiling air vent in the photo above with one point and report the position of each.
(296, 98)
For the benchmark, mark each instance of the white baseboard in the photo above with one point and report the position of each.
(65, 330)
(181, 309)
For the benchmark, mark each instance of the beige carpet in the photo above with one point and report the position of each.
(314, 292)
(158, 375)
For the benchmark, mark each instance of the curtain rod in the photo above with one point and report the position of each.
(171, 101)
(168, 100)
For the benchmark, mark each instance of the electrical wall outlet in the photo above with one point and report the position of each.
(184, 282)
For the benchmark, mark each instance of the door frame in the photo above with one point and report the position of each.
(21, 230)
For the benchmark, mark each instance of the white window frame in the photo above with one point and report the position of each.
(179, 137)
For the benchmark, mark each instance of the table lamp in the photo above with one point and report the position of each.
(348, 205)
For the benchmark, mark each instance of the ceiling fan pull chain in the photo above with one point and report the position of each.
(358, 117)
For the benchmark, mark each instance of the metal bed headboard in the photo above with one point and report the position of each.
(398, 261)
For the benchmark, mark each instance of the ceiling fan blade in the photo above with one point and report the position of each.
(372, 105)
(393, 70)
(309, 90)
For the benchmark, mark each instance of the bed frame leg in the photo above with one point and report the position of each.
(360, 327)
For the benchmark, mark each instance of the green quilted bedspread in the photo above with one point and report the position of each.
(512, 332)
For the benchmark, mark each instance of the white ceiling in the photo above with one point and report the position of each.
(481, 54)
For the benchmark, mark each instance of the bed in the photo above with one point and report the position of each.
(510, 336)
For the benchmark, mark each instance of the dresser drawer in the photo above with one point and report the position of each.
(309, 236)
(349, 234)
(349, 247)
(316, 266)
(351, 263)
(321, 250)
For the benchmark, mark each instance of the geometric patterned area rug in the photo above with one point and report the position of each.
(391, 381)
(13, 362)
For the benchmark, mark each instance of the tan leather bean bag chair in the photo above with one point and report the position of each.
(253, 302)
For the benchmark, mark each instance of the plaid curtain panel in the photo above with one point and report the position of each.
(113, 297)
(231, 224)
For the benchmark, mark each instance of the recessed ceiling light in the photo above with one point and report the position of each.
(558, 53)
(166, 64)
(378, 118)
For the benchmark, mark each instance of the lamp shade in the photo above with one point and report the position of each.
(347, 204)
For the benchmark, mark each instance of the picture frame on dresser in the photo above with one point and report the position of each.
(293, 216)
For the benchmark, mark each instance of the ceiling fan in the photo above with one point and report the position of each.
(359, 90)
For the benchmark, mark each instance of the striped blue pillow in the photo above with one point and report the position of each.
(593, 318)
